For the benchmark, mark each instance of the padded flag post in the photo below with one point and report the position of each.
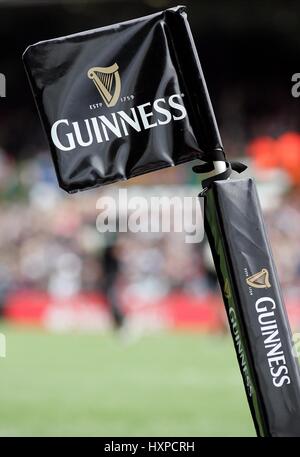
(254, 305)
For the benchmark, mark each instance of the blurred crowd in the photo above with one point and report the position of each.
(49, 240)
(283, 224)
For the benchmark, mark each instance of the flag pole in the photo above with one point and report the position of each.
(253, 301)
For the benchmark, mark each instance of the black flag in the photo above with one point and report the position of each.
(122, 100)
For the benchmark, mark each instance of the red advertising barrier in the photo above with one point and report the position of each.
(89, 311)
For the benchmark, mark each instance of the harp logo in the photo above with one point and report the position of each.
(259, 280)
(108, 83)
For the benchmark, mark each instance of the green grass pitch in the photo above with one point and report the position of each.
(164, 384)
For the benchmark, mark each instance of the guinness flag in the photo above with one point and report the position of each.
(127, 99)
(122, 100)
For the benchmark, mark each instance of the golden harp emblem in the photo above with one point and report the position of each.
(259, 280)
(108, 82)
